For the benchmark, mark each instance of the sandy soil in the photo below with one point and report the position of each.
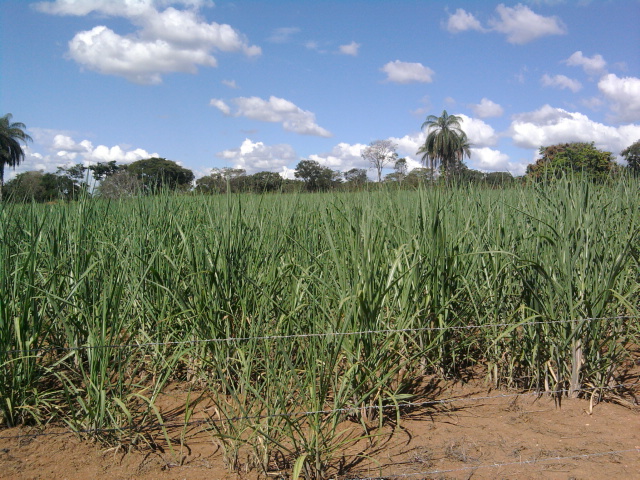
(489, 438)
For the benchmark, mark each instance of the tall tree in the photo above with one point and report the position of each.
(379, 154)
(572, 158)
(11, 152)
(401, 167)
(315, 176)
(446, 144)
(157, 173)
(355, 176)
(632, 155)
(101, 170)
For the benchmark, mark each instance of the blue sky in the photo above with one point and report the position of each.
(261, 84)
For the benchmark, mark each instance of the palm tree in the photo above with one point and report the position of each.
(11, 153)
(446, 144)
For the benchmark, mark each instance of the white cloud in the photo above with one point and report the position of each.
(349, 49)
(521, 25)
(120, 8)
(549, 126)
(315, 46)
(462, 21)
(258, 157)
(406, 72)
(487, 108)
(479, 133)
(409, 144)
(283, 35)
(165, 41)
(63, 151)
(220, 105)
(230, 84)
(624, 95)
(104, 51)
(593, 66)
(186, 29)
(342, 157)
(275, 110)
(490, 160)
(123, 8)
(561, 81)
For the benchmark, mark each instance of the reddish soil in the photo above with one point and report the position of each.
(489, 438)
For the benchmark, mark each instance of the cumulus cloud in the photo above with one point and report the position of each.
(220, 105)
(624, 95)
(591, 65)
(406, 72)
(521, 25)
(349, 49)
(275, 110)
(342, 157)
(487, 108)
(462, 21)
(561, 81)
(85, 7)
(479, 133)
(549, 126)
(258, 157)
(104, 51)
(491, 160)
(64, 151)
(165, 41)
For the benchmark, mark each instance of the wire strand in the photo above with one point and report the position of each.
(311, 335)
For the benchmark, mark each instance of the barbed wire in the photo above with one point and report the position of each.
(532, 461)
(314, 335)
(399, 406)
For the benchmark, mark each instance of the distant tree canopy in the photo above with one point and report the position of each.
(42, 187)
(380, 153)
(101, 170)
(315, 176)
(499, 179)
(572, 158)
(221, 178)
(266, 182)
(236, 180)
(120, 184)
(632, 155)
(419, 176)
(157, 173)
(356, 177)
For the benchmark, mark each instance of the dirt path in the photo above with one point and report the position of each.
(501, 437)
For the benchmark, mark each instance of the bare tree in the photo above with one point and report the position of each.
(379, 154)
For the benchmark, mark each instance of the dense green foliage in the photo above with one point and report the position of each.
(315, 176)
(632, 155)
(159, 173)
(576, 158)
(12, 134)
(499, 281)
(446, 144)
(42, 187)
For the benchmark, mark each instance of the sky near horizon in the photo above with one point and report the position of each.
(261, 85)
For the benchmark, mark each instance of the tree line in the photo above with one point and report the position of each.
(442, 155)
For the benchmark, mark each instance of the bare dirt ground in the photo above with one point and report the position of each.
(505, 436)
